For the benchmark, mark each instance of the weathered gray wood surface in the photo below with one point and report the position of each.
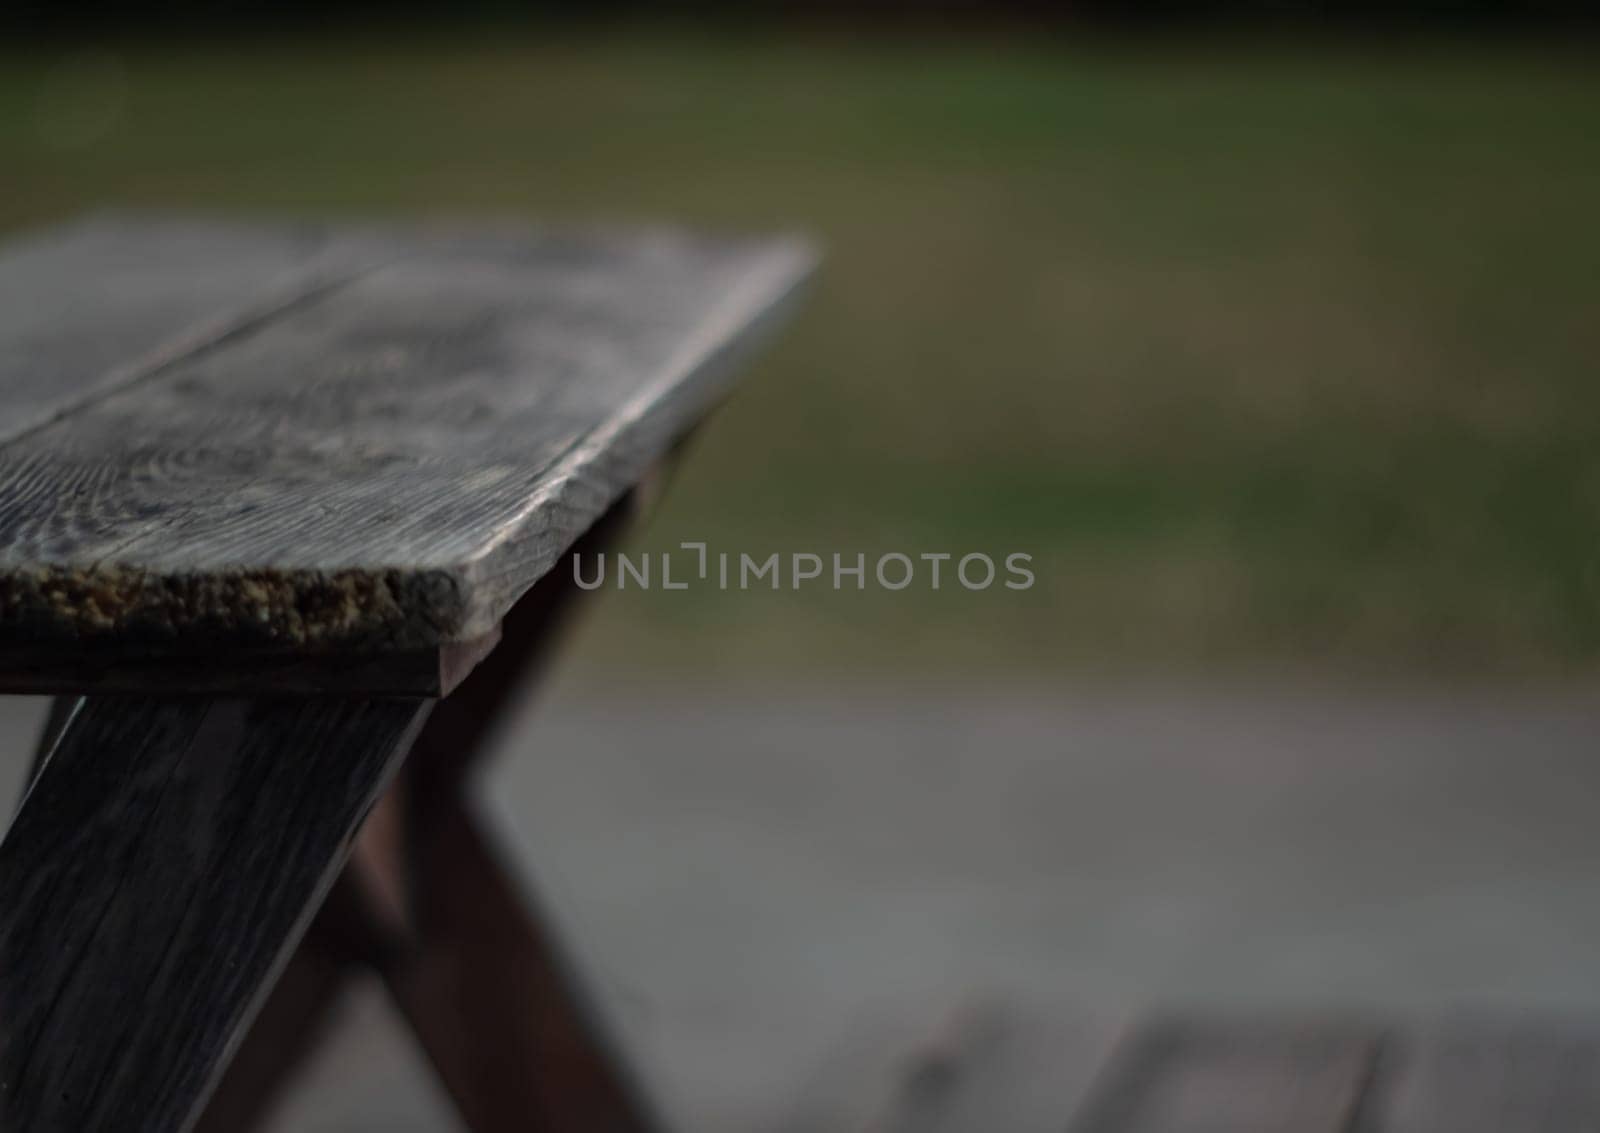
(361, 442)
(91, 306)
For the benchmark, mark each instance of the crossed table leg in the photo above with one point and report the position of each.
(160, 889)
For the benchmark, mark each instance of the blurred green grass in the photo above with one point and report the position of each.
(1265, 355)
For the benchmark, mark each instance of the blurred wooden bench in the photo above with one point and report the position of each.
(268, 493)
(1002, 1066)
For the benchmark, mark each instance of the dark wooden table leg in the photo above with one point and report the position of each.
(495, 1001)
(285, 1033)
(474, 970)
(497, 1005)
(355, 928)
(163, 866)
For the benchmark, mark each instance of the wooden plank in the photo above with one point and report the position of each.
(91, 306)
(1225, 1077)
(1013, 1069)
(984, 1064)
(386, 467)
(163, 864)
(1009, 1070)
(1487, 1078)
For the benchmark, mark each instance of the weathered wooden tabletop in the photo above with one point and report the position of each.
(278, 442)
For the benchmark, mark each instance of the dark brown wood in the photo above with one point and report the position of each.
(162, 867)
(497, 1007)
(1181, 1076)
(431, 671)
(496, 1003)
(383, 466)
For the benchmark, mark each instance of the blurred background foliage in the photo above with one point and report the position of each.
(1269, 351)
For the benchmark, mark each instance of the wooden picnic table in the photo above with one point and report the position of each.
(281, 508)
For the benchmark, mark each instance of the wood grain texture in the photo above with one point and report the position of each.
(1221, 1077)
(1484, 1077)
(91, 306)
(386, 463)
(163, 863)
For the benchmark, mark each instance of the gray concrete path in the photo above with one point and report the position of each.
(753, 874)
